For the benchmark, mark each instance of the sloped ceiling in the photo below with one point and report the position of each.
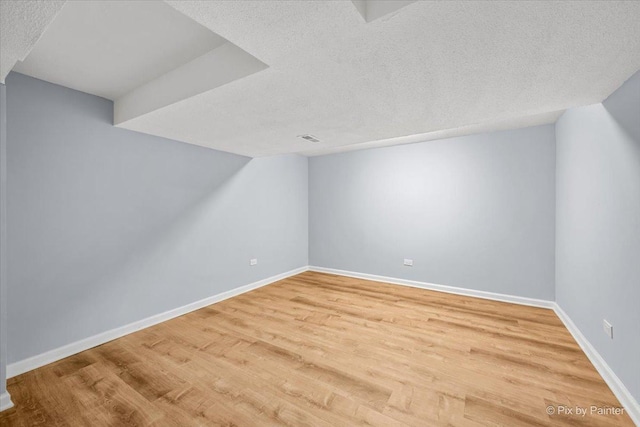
(117, 45)
(21, 25)
(424, 70)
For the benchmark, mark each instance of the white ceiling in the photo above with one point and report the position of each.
(112, 47)
(422, 71)
(21, 25)
(374, 9)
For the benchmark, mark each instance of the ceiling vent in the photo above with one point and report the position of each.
(309, 138)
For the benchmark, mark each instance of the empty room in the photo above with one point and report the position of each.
(319, 213)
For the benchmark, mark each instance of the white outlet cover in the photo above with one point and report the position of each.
(253, 261)
(408, 262)
(608, 328)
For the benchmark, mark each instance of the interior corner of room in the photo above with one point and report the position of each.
(346, 176)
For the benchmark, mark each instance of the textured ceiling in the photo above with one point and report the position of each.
(426, 70)
(21, 25)
(427, 67)
(115, 46)
(374, 9)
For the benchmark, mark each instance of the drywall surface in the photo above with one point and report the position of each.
(598, 226)
(3, 239)
(474, 212)
(110, 226)
(624, 106)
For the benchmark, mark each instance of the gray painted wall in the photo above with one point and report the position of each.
(3, 241)
(598, 226)
(474, 212)
(109, 226)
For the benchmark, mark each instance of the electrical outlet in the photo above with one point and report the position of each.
(253, 261)
(408, 262)
(608, 328)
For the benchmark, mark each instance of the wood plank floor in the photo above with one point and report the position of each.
(324, 350)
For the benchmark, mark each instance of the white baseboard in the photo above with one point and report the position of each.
(5, 401)
(629, 403)
(440, 288)
(617, 387)
(56, 354)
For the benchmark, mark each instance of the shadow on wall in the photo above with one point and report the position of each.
(161, 266)
(109, 226)
(624, 106)
(630, 133)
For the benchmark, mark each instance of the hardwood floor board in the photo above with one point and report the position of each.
(328, 401)
(42, 403)
(444, 300)
(410, 405)
(162, 346)
(188, 404)
(110, 400)
(208, 368)
(424, 307)
(328, 394)
(262, 331)
(577, 374)
(373, 394)
(150, 381)
(326, 370)
(70, 365)
(479, 333)
(515, 402)
(489, 382)
(445, 315)
(191, 407)
(319, 349)
(342, 328)
(252, 393)
(568, 355)
(60, 399)
(493, 414)
(394, 357)
(527, 386)
(392, 293)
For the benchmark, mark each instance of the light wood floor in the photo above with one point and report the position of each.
(324, 350)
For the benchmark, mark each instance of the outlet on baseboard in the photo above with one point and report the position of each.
(608, 328)
(408, 262)
(253, 261)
